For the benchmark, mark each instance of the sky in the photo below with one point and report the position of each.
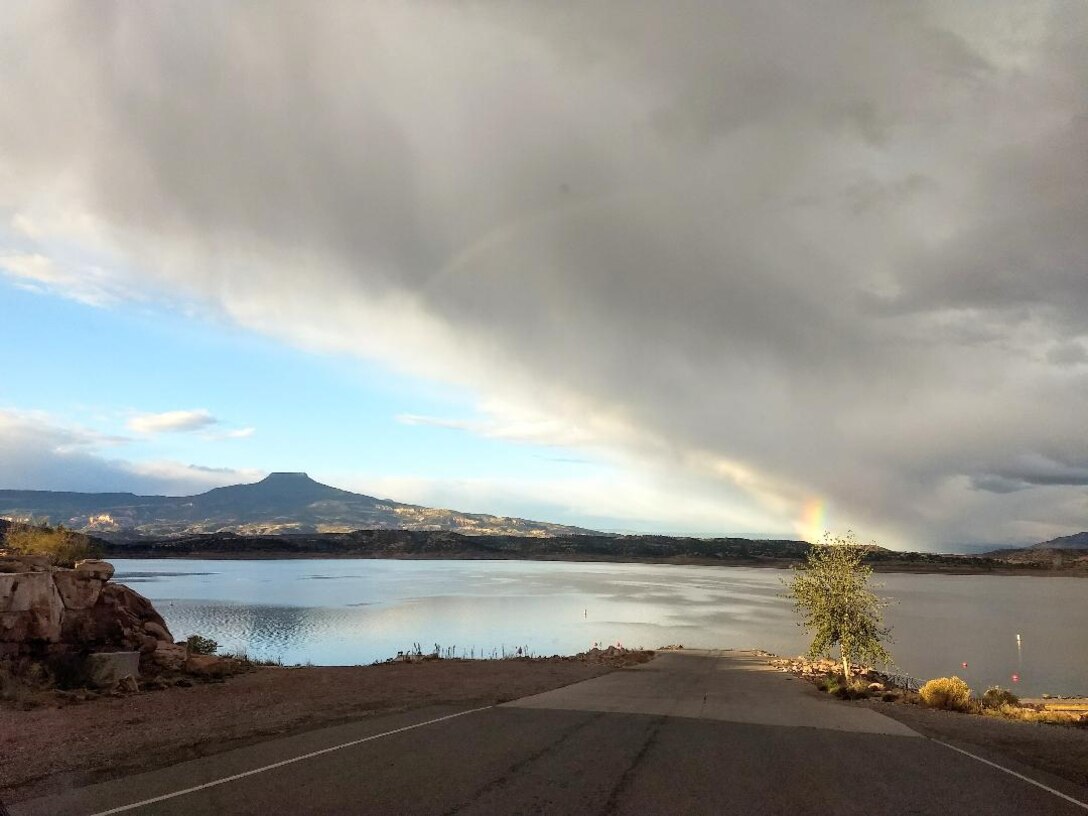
(698, 268)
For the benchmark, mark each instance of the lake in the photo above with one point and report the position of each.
(345, 612)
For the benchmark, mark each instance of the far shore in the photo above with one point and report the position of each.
(119, 551)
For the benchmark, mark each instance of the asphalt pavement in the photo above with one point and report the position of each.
(688, 733)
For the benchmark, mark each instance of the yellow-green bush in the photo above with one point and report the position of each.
(63, 547)
(949, 693)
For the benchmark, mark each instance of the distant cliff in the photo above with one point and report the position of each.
(281, 503)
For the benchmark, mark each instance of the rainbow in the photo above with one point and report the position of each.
(813, 523)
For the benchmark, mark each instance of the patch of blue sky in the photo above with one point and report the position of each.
(98, 367)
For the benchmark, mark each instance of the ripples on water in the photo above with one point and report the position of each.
(347, 612)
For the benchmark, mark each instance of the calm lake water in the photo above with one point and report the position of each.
(344, 612)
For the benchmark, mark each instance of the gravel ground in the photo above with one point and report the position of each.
(51, 749)
(1057, 749)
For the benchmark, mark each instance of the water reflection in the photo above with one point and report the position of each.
(347, 612)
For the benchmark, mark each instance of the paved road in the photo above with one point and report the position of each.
(690, 733)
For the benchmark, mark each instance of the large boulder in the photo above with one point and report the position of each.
(95, 568)
(48, 613)
(78, 589)
(76, 608)
(158, 631)
(30, 607)
(170, 656)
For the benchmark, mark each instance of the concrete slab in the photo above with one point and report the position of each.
(715, 685)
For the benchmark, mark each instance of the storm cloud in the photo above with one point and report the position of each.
(796, 252)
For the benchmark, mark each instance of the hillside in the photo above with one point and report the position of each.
(1064, 552)
(1077, 541)
(279, 504)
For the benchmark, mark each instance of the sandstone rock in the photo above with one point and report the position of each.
(128, 600)
(78, 589)
(21, 591)
(46, 612)
(128, 685)
(148, 643)
(105, 669)
(17, 562)
(14, 628)
(95, 568)
(170, 656)
(30, 607)
(158, 632)
(209, 666)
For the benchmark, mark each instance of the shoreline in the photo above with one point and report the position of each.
(117, 552)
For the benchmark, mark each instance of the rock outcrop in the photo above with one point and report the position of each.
(47, 611)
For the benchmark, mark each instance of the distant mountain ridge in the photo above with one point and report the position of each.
(1057, 551)
(281, 503)
(1077, 541)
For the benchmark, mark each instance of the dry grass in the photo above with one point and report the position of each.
(1033, 715)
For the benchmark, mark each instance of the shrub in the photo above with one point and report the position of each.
(200, 645)
(61, 546)
(995, 697)
(949, 693)
(844, 688)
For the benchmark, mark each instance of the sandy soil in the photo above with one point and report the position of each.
(51, 749)
(1057, 749)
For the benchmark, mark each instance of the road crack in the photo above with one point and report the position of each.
(625, 778)
(513, 770)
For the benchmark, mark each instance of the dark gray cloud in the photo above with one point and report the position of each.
(827, 251)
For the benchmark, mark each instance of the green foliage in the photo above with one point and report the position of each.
(995, 697)
(949, 693)
(200, 645)
(845, 688)
(831, 593)
(61, 546)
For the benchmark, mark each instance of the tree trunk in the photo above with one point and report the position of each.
(845, 665)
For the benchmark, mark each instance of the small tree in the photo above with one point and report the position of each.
(831, 593)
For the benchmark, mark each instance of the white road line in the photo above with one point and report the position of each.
(280, 764)
(1027, 779)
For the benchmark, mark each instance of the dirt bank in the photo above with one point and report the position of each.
(50, 749)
